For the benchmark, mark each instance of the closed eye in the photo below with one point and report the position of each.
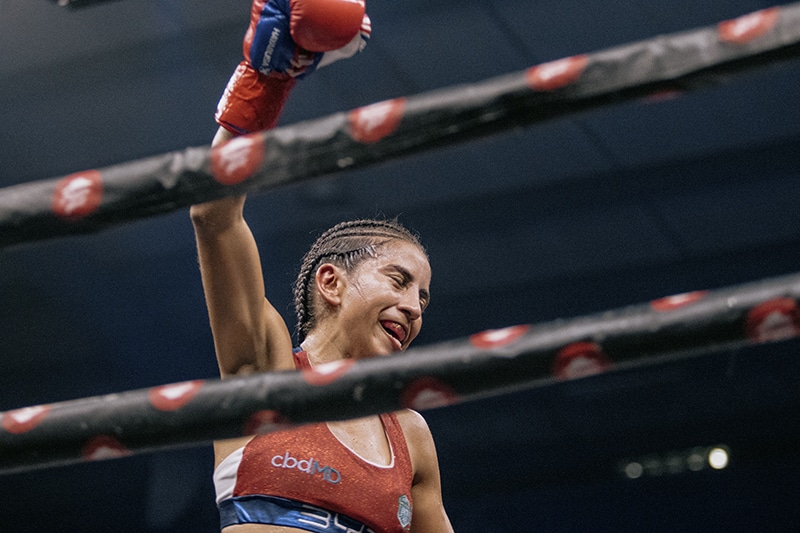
(402, 277)
(424, 299)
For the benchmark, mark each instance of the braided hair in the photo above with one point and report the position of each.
(345, 245)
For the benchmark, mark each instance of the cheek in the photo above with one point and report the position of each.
(370, 290)
(416, 327)
(366, 300)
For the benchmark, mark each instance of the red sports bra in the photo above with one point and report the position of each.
(309, 472)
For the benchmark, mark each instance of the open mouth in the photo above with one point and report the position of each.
(395, 330)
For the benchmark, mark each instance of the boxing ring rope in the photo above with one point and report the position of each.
(95, 199)
(77, 4)
(485, 364)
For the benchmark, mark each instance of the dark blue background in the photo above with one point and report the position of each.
(610, 208)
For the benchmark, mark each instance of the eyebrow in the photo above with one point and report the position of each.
(410, 277)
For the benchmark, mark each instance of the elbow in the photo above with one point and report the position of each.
(200, 214)
(216, 215)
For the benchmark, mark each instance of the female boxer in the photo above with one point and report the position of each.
(361, 292)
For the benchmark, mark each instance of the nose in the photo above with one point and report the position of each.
(410, 305)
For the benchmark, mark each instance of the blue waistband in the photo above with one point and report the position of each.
(260, 509)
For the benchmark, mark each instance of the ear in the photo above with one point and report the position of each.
(330, 282)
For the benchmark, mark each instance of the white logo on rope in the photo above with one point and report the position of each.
(554, 69)
(76, 194)
(106, 452)
(373, 116)
(777, 326)
(744, 25)
(175, 392)
(234, 154)
(27, 414)
(328, 369)
(498, 335)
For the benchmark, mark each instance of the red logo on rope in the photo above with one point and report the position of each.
(773, 320)
(428, 393)
(174, 396)
(497, 338)
(372, 123)
(25, 419)
(327, 372)
(104, 447)
(677, 301)
(265, 421)
(237, 159)
(580, 359)
(748, 27)
(556, 74)
(78, 195)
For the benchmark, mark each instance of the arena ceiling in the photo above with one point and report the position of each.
(579, 215)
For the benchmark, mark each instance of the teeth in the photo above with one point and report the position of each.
(394, 329)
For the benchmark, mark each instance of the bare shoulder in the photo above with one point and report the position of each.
(419, 440)
(429, 512)
(413, 424)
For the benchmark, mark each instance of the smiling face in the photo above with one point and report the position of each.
(376, 309)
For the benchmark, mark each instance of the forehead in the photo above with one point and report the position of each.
(406, 255)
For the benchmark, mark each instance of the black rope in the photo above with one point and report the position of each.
(486, 364)
(93, 200)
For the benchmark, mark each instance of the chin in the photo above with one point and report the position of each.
(382, 352)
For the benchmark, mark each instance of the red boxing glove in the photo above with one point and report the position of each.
(252, 101)
(286, 41)
(325, 25)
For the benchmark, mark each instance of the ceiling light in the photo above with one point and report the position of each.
(718, 457)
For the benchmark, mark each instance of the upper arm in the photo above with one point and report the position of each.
(429, 515)
(249, 334)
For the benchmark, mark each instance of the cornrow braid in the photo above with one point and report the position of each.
(346, 245)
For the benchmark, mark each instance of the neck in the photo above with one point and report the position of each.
(322, 348)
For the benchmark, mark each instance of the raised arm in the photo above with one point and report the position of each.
(286, 41)
(249, 334)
